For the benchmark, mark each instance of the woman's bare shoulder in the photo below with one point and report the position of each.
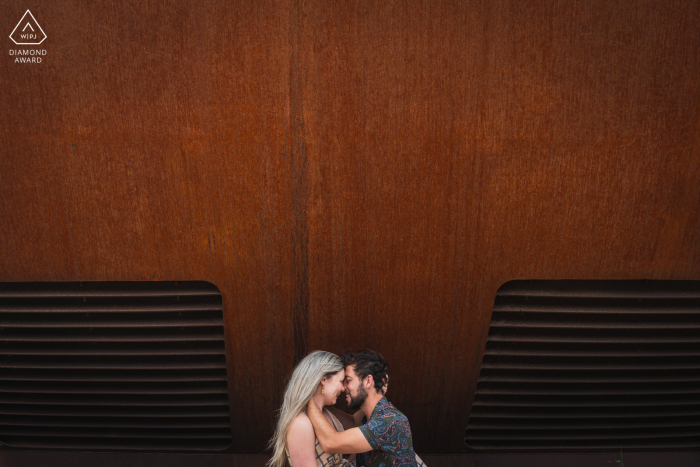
(301, 441)
(301, 425)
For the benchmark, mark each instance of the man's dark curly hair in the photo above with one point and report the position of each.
(368, 362)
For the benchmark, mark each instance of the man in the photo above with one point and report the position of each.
(385, 436)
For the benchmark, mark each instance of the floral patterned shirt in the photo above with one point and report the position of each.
(389, 434)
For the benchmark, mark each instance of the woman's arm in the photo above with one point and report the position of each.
(345, 442)
(301, 442)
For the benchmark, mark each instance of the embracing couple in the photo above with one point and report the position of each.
(310, 435)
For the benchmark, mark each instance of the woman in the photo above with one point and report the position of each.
(319, 376)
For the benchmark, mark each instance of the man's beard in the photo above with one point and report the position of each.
(356, 402)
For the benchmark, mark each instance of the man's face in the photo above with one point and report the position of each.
(355, 393)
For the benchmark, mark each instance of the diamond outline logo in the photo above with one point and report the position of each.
(37, 25)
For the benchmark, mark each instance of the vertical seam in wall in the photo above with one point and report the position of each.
(300, 228)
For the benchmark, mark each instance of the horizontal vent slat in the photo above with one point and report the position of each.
(4, 352)
(583, 412)
(123, 422)
(594, 353)
(576, 424)
(483, 434)
(601, 289)
(580, 311)
(694, 325)
(112, 432)
(153, 400)
(114, 323)
(68, 294)
(106, 289)
(583, 366)
(549, 362)
(586, 445)
(571, 304)
(114, 362)
(47, 387)
(123, 375)
(149, 444)
(148, 412)
(581, 349)
(115, 366)
(592, 335)
(112, 348)
(590, 339)
(586, 401)
(161, 308)
(517, 390)
(86, 334)
(585, 375)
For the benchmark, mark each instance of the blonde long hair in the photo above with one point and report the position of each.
(302, 386)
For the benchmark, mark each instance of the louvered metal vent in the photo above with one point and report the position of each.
(590, 365)
(113, 365)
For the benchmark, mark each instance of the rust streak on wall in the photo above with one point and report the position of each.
(298, 158)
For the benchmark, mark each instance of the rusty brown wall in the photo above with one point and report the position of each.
(353, 174)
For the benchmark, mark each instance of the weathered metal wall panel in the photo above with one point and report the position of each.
(152, 143)
(455, 146)
(353, 174)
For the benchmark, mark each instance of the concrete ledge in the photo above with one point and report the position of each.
(118, 459)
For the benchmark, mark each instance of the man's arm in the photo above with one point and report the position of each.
(350, 441)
